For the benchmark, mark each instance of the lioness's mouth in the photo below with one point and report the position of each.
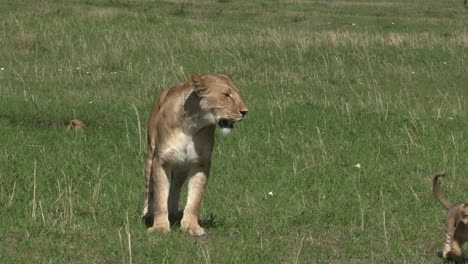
(225, 123)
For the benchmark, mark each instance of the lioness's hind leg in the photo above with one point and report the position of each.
(148, 182)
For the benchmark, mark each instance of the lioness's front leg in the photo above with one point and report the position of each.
(161, 186)
(198, 177)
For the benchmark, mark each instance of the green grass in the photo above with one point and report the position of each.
(329, 84)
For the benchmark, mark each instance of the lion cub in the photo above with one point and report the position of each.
(181, 131)
(456, 223)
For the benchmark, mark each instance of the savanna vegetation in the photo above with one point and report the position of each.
(353, 105)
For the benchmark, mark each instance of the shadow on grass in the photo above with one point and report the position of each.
(462, 259)
(207, 222)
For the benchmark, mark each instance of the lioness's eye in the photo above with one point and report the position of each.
(227, 95)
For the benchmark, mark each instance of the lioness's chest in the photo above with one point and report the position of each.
(181, 150)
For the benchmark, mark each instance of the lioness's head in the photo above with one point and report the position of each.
(219, 97)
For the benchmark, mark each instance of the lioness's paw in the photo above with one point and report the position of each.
(158, 230)
(193, 228)
(161, 227)
(195, 231)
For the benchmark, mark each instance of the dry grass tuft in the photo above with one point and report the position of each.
(346, 38)
(26, 42)
(104, 12)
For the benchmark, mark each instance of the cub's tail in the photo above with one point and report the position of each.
(438, 194)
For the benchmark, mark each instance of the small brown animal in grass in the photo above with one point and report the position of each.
(76, 124)
(456, 223)
(180, 142)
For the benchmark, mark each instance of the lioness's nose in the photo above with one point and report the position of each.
(244, 112)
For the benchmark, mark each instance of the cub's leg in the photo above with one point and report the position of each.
(198, 177)
(455, 251)
(161, 185)
(449, 236)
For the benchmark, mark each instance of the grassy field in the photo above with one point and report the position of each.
(353, 105)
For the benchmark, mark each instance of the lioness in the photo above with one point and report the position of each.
(180, 139)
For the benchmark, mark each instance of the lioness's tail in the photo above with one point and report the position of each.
(438, 194)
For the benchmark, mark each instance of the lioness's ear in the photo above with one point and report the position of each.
(196, 83)
(224, 77)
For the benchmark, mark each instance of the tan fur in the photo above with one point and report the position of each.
(76, 124)
(456, 223)
(180, 142)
